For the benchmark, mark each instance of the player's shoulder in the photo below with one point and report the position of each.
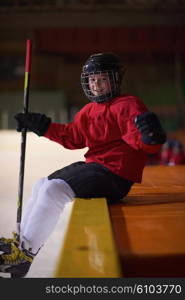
(128, 103)
(83, 112)
(85, 108)
(127, 100)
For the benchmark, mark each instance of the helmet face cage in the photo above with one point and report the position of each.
(114, 83)
(100, 66)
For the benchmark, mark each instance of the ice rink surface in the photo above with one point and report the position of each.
(42, 158)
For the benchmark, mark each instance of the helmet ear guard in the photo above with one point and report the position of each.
(106, 63)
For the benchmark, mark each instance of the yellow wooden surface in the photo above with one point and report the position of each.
(149, 226)
(88, 249)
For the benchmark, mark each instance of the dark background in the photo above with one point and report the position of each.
(148, 36)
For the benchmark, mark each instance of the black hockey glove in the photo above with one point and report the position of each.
(150, 127)
(38, 123)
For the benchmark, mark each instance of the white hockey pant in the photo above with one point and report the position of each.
(43, 210)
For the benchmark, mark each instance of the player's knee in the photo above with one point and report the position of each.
(39, 183)
(58, 190)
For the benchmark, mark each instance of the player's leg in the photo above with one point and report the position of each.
(79, 179)
(92, 180)
(53, 196)
(32, 201)
(51, 199)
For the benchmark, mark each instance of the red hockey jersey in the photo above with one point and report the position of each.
(109, 131)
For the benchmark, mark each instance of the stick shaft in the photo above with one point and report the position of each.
(24, 132)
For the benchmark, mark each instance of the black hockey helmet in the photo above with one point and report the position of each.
(108, 63)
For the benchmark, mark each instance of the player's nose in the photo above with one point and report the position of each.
(98, 81)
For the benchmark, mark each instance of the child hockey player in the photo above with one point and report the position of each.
(118, 130)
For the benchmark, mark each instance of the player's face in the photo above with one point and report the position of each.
(99, 84)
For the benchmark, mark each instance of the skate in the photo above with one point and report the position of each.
(17, 263)
(5, 244)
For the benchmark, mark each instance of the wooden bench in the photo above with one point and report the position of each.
(149, 226)
(148, 237)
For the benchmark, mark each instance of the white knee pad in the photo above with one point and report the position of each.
(57, 192)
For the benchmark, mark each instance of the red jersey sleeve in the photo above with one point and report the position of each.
(68, 135)
(126, 120)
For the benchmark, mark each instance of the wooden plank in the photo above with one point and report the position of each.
(149, 226)
(89, 249)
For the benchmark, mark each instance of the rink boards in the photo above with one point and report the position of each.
(89, 249)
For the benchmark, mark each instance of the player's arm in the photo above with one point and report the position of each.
(139, 128)
(67, 135)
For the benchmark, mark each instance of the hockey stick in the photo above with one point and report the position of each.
(24, 133)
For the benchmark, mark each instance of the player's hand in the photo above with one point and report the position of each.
(150, 127)
(36, 122)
